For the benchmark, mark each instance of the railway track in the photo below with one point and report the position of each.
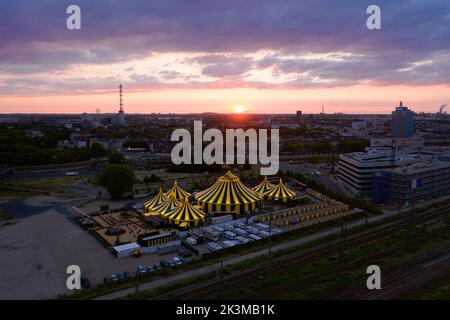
(404, 278)
(353, 265)
(211, 288)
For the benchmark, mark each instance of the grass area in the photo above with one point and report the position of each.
(12, 193)
(47, 182)
(332, 281)
(3, 215)
(28, 188)
(439, 291)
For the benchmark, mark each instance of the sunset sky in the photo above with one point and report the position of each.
(251, 56)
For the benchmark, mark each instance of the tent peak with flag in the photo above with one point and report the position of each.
(281, 192)
(180, 194)
(264, 187)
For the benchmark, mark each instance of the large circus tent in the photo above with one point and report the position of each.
(167, 206)
(281, 193)
(228, 194)
(185, 215)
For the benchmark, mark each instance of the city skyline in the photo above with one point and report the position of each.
(252, 57)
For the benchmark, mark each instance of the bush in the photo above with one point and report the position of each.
(152, 178)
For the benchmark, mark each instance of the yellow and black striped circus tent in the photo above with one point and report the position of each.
(264, 187)
(169, 205)
(180, 194)
(156, 201)
(228, 194)
(185, 215)
(281, 192)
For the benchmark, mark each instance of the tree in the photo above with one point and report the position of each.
(98, 150)
(118, 180)
(49, 142)
(347, 146)
(116, 158)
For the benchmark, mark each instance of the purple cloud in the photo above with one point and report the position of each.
(34, 38)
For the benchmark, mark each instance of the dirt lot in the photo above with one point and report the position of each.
(36, 251)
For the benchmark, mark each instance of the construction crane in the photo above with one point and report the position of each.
(441, 108)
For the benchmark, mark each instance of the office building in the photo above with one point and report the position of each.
(355, 170)
(402, 122)
(417, 182)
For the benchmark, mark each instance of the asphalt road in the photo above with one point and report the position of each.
(45, 174)
(306, 170)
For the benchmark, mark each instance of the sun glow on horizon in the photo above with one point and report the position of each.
(239, 109)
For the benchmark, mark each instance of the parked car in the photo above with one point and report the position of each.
(240, 225)
(120, 276)
(240, 232)
(157, 267)
(85, 282)
(229, 243)
(262, 226)
(151, 269)
(263, 234)
(128, 275)
(213, 246)
(184, 253)
(141, 270)
(177, 261)
(242, 239)
(228, 227)
(114, 278)
(230, 235)
(107, 279)
(184, 260)
(165, 264)
(251, 229)
(218, 229)
(191, 241)
(172, 264)
(254, 237)
(276, 231)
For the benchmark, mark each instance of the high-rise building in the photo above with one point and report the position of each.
(402, 122)
(299, 116)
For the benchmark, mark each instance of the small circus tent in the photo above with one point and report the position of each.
(228, 194)
(180, 194)
(156, 201)
(170, 204)
(281, 192)
(264, 187)
(185, 215)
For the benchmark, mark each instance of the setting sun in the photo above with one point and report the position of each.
(239, 109)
